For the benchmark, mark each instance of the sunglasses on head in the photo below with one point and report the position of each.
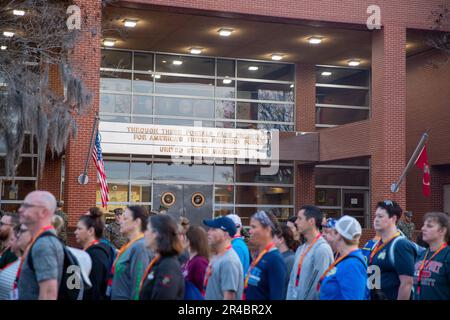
(388, 203)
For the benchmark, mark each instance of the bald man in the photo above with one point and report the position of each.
(40, 279)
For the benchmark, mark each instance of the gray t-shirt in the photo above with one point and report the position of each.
(227, 275)
(48, 262)
(315, 263)
(129, 270)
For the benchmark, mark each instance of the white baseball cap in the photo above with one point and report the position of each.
(85, 262)
(348, 227)
(236, 219)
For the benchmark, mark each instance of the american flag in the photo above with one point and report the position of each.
(98, 160)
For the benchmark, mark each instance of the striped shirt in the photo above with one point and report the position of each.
(7, 277)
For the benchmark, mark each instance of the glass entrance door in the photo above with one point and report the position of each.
(191, 201)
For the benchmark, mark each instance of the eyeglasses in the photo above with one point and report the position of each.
(29, 205)
(21, 231)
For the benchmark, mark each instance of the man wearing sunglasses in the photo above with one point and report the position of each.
(41, 280)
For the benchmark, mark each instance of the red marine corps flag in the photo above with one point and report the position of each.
(422, 163)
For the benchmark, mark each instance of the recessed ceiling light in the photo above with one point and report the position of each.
(130, 23)
(226, 81)
(314, 40)
(8, 34)
(109, 42)
(164, 61)
(195, 50)
(291, 86)
(18, 12)
(156, 76)
(253, 68)
(326, 73)
(354, 62)
(177, 62)
(3, 47)
(277, 56)
(225, 32)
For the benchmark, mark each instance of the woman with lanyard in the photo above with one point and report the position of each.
(88, 232)
(346, 277)
(131, 260)
(432, 268)
(163, 279)
(267, 274)
(19, 242)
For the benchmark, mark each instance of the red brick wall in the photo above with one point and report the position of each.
(387, 134)
(78, 198)
(350, 140)
(305, 121)
(428, 102)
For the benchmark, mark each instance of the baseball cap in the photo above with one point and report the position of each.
(224, 223)
(331, 223)
(85, 262)
(236, 219)
(348, 227)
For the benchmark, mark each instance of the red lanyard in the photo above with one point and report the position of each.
(93, 242)
(335, 263)
(381, 245)
(119, 254)
(22, 259)
(209, 272)
(147, 270)
(302, 257)
(425, 263)
(254, 263)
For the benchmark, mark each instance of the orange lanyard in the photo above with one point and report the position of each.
(93, 242)
(255, 262)
(147, 270)
(302, 257)
(425, 263)
(22, 259)
(124, 248)
(209, 272)
(380, 246)
(335, 263)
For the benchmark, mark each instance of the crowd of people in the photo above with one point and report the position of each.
(150, 256)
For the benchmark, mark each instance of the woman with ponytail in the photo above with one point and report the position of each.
(88, 234)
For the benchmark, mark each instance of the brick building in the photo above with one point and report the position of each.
(350, 104)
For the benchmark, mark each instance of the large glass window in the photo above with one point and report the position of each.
(342, 95)
(170, 89)
(239, 188)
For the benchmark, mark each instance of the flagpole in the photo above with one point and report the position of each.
(83, 178)
(411, 162)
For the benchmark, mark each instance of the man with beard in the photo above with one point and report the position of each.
(7, 223)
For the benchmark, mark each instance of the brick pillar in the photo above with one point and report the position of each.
(388, 113)
(305, 121)
(50, 179)
(86, 56)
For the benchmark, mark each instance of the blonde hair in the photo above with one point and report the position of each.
(57, 223)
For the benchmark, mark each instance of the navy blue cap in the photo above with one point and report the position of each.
(224, 223)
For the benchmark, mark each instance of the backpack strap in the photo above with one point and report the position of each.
(44, 234)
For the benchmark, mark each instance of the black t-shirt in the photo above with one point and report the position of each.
(403, 255)
(165, 281)
(101, 265)
(435, 282)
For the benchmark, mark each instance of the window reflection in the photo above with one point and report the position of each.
(177, 172)
(115, 81)
(115, 103)
(265, 111)
(185, 86)
(265, 91)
